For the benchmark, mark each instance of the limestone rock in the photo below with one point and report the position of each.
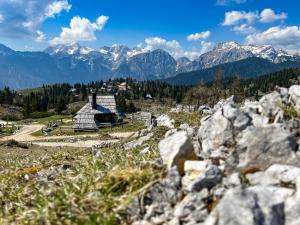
(192, 209)
(165, 120)
(215, 132)
(294, 93)
(292, 207)
(262, 147)
(251, 206)
(186, 127)
(276, 175)
(205, 109)
(270, 104)
(138, 141)
(157, 202)
(176, 149)
(211, 177)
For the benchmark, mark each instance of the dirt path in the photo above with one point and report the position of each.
(78, 144)
(24, 135)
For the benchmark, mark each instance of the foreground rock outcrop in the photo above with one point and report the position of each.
(245, 170)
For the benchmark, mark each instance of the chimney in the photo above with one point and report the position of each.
(94, 100)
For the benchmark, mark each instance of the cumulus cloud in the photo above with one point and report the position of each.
(40, 36)
(244, 29)
(269, 16)
(227, 2)
(234, 17)
(57, 7)
(174, 48)
(286, 38)
(24, 17)
(199, 36)
(81, 29)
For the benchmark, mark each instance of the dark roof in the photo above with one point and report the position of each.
(105, 104)
(85, 118)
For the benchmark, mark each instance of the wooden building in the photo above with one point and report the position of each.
(99, 111)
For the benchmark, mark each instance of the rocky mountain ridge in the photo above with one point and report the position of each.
(227, 52)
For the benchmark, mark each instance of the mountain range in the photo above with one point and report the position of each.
(75, 63)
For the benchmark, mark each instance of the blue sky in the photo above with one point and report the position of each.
(182, 27)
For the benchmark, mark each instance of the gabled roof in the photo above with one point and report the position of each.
(105, 104)
(85, 122)
(85, 118)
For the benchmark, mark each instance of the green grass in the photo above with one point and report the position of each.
(191, 118)
(7, 131)
(46, 120)
(130, 126)
(91, 191)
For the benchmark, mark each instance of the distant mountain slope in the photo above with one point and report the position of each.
(75, 63)
(28, 69)
(249, 67)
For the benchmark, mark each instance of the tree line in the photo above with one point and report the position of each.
(56, 97)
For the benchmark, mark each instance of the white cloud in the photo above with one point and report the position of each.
(226, 2)
(57, 7)
(266, 16)
(174, 48)
(286, 38)
(234, 17)
(23, 18)
(205, 46)
(244, 29)
(198, 36)
(40, 36)
(269, 16)
(81, 29)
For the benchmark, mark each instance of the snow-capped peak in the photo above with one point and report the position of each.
(264, 51)
(226, 45)
(68, 49)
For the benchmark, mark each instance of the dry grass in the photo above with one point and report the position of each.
(35, 187)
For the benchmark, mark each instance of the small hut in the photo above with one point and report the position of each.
(99, 111)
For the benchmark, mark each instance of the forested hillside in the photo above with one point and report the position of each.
(250, 67)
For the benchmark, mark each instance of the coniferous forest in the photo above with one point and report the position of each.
(56, 97)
